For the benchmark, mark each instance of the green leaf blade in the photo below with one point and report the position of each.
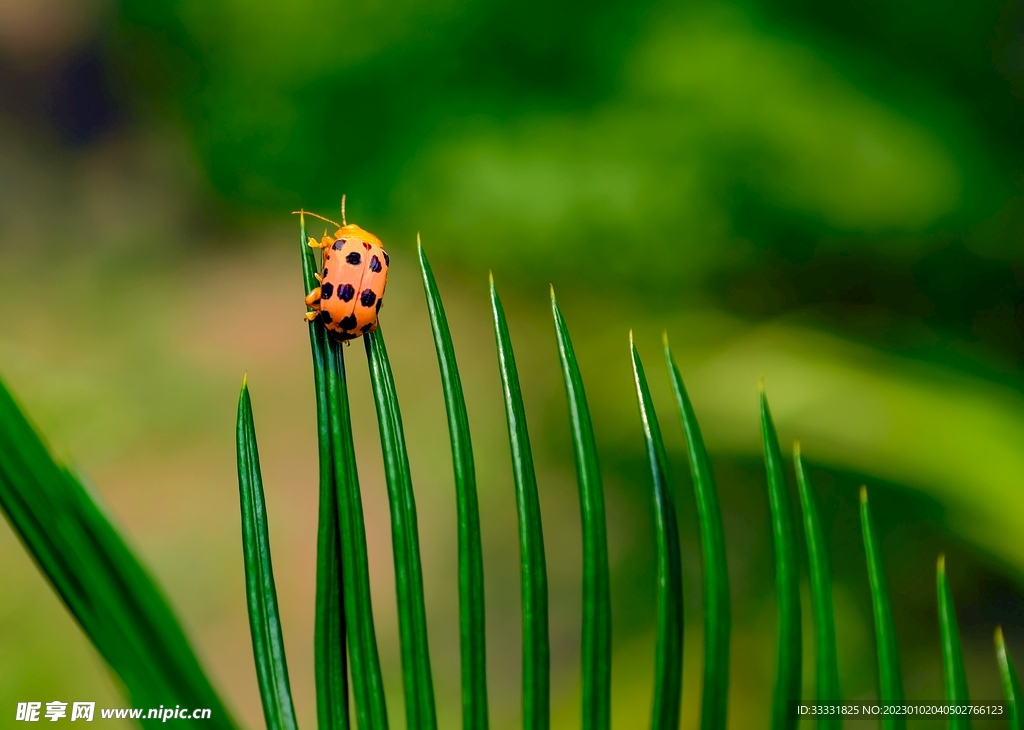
(668, 676)
(412, 614)
(890, 681)
(533, 568)
(1011, 683)
(357, 627)
(472, 627)
(261, 594)
(329, 639)
(367, 682)
(717, 604)
(787, 580)
(952, 654)
(597, 624)
(821, 597)
(95, 573)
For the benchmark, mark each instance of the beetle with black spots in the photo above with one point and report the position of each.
(354, 261)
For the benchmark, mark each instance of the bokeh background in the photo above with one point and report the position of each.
(825, 194)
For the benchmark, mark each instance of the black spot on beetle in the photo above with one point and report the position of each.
(348, 322)
(380, 303)
(326, 290)
(354, 258)
(338, 244)
(387, 259)
(366, 327)
(367, 298)
(325, 273)
(346, 292)
(366, 245)
(375, 266)
(325, 316)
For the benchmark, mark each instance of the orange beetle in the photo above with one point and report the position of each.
(355, 272)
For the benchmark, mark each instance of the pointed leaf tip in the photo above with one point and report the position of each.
(631, 339)
(999, 636)
(941, 563)
(664, 338)
(760, 385)
(245, 380)
(863, 493)
(796, 448)
(552, 288)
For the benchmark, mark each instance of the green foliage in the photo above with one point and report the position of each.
(952, 656)
(1011, 683)
(770, 156)
(787, 580)
(827, 663)
(329, 640)
(532, 565)
(472, 635)
(668, 674)
(122, 612)
(596, 644)
(568, 100)
(890, 681)
(96, 574)
(412, 614)
(260, 591)
(367, 682)
(717, 611)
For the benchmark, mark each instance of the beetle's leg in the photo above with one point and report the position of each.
(310, 316)
(313, 299)
(319, 277)
(323, 243)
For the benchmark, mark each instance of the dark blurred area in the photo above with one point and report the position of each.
(828, 195)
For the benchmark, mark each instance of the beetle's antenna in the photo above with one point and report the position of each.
(306, 212)
(343, 210)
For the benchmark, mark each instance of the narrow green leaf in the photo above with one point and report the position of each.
(357, 627)
(533, 569)
(890, 681)
(717, 609)
(412, 614)
(367, 683)
(668, 672)
(1011, 684)
(261, 594)
(952, 656)
(821, 597)
(100, 580)
(596, 643)
(787, 580)
(330, 660)
(472, 634)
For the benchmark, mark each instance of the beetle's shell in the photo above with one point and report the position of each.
(354, 276)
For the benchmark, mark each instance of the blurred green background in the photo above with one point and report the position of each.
(825, 194)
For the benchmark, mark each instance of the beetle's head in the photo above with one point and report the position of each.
(354, 231)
